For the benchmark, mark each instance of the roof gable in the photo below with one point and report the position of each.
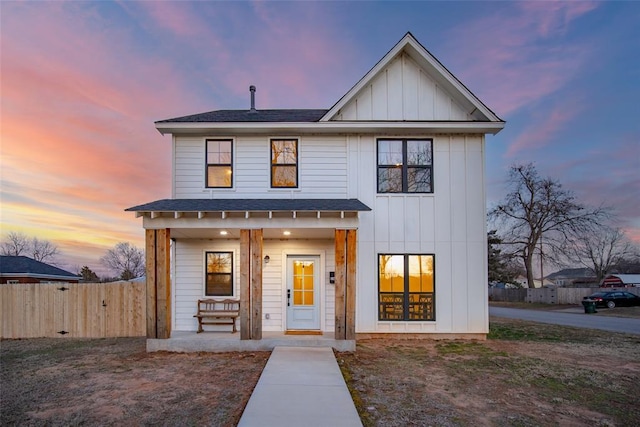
(409, 84)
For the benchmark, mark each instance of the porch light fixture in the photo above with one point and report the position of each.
(266, 259)
(223, 233)
(286, 233)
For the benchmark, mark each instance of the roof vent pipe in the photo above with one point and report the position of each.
(252, 89)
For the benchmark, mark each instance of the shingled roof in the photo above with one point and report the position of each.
(28, 267)
(242, 205)
(220, 116)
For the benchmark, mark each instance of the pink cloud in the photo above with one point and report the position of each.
(512, 58)
(542, 130)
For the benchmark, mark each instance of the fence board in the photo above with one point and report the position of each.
(85, 310)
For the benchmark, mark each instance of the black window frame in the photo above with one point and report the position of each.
(207, 274)
(407, 305)
(273, 165)
(208, 164)
(404, 166)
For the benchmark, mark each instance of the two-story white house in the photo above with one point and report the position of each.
(364, 219)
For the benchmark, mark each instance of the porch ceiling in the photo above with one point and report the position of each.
(268, 233)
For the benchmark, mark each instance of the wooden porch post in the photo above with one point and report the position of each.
(150, 275)
(256, 284)
(345, 247)
(158, 278)
(245, 285)
(350, 292)
(163, 280)
(340, 330)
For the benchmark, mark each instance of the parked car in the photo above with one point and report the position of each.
(612, 299)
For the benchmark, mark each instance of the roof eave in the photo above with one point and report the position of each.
(333, 127)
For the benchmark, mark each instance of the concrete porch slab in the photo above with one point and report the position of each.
(220, 342)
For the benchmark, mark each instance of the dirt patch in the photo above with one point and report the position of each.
(525, 374)
(116, 382)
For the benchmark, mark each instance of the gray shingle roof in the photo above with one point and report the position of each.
(25, 265)
(241, 205)
(251, 116)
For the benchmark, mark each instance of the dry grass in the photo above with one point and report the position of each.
(524, 375)
(61, 382)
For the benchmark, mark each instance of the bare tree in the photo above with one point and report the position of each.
(19, 244)
(16, 244)
(599, 249)
(43, 250)
(539, 207)
(126, 260)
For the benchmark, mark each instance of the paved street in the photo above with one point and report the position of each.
(576, 318)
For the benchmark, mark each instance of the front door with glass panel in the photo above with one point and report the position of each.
(303, 283)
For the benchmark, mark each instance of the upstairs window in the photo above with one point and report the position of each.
(405, 166)
(284, 163)
(219, 280)
(219, 163)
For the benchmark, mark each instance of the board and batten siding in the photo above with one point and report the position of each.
(402, 91)
(189, 279)
(450, 223)
(322, 171)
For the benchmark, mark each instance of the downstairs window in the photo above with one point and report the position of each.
(406, 287)
(219, 280)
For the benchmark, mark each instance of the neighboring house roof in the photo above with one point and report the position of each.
(627, 279)
(243, 205)
(571, 273)
(251, 116)
(22, 266)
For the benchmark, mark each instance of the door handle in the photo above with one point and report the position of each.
(288, 297)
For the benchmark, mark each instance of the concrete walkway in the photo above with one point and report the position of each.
(300, 386)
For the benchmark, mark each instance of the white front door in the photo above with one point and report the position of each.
(303, 283)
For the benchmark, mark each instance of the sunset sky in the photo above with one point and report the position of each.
(83, 82)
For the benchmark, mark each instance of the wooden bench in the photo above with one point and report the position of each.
(217, 312)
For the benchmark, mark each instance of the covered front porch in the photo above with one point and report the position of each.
(324, 229)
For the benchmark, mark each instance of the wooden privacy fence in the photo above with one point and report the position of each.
(77, 310)
(548, 295)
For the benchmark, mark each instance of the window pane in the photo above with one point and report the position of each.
(219, 176)
(419, 153)
(392, 273)
(420, 273)
(308, 298)
(390, 180)
(284, 152)
(218, 152)
(389, 152)
(219, 285)
(283, 176)
(419, 180)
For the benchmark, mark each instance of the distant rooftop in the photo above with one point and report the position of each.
(25, 266)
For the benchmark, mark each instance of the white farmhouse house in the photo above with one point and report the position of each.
(361, 220)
